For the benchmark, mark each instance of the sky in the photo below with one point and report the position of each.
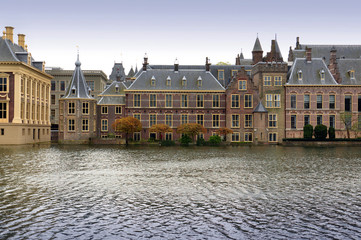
(111, 31)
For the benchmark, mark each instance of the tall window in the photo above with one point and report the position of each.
(85, 108)
(319, 101)
(169, 120)
(293, 121)
(332, 102)
(136, 100)
(220, 74)
(248, 101)
(184, 118)
(306, 119)
(71, 108)
(359, 104)
(306, 101)
(272, 120)
(278, 81)
(184, 100)
(3, 84)
(242, 85)
(267, 81)
(152, 119)
(3, 110)
(168, 100)
(272, 137)
(137, 116)
(169, 83)
(293, 101)
(215, 101)
(277, 102)
(104, 109)
(118, 109)
(248, 122)
(332, 121)
(235, 121)
(319, 119)
(235, 137)
(235, 101)
(269, 101)
(200, 119)
(352, 74)
(71, 124)
(52, 100)
(200, 101)
(62, 85)
(52, 85)
(104, 125)
(248, 137)
(152, 100)
(85, 125)
(348, 103)
(215, 121)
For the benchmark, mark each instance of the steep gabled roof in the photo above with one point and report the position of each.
(278, 49)
(257, 46)
(118, 73)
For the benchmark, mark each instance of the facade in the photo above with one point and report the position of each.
(24, 94)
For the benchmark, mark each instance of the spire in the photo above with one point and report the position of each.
(241, 56)
(257, 46)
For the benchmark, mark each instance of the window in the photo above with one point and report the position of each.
(235, 101)
(277, 98)
(3, 84)
(52, 85)
(322, 75)
(215, 120)
(168, 100)
(184, 81)
(71, 108)
(184, 119)
(248, 122)
(168, 136)
(267, 81)
(215, 101)
(85, 125)
(319, 119)
(104, 109)
(200, 119)
(248, 101)
(118, 109)
(169, 83)
(137, 116)
(184, 99)
(306, 119)
(235, 121)
(136, 136)
(220, 74)
(332, 121)
(71, 125)
(359, 104)
(278, 81)
(104, 125)
(3, 110)
(272, 120)
(299, 75)
(248, 137)
(52, 100)
(293, 101)
(85, 108)
(136, 100)
(332, 102)
(52, 114)
(235, 137)
(319, 101)
(269, 101)
(306, 101)
(242, 85)
(272, 137)
(152, 100)
(200, 101)
(152, 81)
(348, 103)
(200, 136)
(199, 82)
(293, 121)
(62, 85)
(152, 119)
(2, 131)
(90, 84)
(352, 74)
(169, 120)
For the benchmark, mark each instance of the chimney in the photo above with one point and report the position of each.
(176, 65)
(145, 63)
(333, 66)
(9, 33)
(298, 43)
(308, 54)
(4, 35)
(21, 40)
(208, 64)
(238, 61)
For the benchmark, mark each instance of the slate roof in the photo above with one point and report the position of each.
(11, 52)
(77, 84)
(345, 66)
(260, 108)
(311, 73)
(131, 73)
(257, 46)
(110, 96)
(209, 82)
(278, 49)
(118, 73)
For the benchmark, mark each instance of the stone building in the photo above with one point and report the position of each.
(77, 110)
(24, 94)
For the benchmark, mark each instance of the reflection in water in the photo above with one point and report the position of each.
(258, 192)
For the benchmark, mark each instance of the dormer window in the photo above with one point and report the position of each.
(184, 81)
(352, 74)
(199, 81)
(168, 81)
(116, 88)
(73, 90)
(152, 81)
(299, 75)
(322, 75)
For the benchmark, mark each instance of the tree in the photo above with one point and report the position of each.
(307, 131)
(223, 63)
(346, 118)
(224, 132)
(215, 140)
(331, 132)
(320, 132)
(160, 128)
(356, 129)
(191, 129)
(127, 125)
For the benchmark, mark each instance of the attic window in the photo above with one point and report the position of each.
(352, 74)
(299, 75)
(152, 81)
(168, 81)
(73, 90)
(116, 88)
(184, 81)
(322, 75)
(199, 81)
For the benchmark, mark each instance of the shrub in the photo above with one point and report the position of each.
(215, 140)
(320, 132)
(331, 133)
(167, 143)
(151, 139)
(200, 141)
(308, 131)
(185, 140)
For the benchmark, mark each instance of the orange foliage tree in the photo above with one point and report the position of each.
(127, 125)
(160, 128)
(224, 131)
(191, 129)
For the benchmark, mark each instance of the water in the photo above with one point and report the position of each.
(258, 192)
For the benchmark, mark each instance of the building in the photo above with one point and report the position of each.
(24, 94)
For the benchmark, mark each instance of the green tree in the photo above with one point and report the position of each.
(215, 140)
(127, 125)
(331, 133)
(307, 131)
(223, 63)
(320, 132)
